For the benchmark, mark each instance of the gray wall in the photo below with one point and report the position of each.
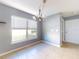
(72, 29)
(5, 29)
(51, 29)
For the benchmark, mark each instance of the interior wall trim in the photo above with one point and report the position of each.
(57, 45)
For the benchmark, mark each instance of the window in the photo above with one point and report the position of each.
(32, 29)
(18, 29)
(23, 29)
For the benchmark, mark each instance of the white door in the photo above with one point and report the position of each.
(72, 31)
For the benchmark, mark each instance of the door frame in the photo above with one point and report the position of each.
(62, 29)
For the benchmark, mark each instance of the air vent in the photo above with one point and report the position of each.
(2, 22)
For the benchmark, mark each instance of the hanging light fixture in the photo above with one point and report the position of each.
(40, 16)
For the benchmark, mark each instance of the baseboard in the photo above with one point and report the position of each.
(17, 49)
(70, 42)
(57, 45)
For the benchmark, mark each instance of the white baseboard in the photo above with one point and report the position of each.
(57, 45)
(17, 49)
(71, 42)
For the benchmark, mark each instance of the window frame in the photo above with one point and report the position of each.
(27, 28)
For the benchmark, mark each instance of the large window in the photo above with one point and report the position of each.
(23, 29)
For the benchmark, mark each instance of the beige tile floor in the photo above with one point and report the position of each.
(45, 51)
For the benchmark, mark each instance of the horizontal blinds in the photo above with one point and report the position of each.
(18, 22)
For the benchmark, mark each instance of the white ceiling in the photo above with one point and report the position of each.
(67, 7)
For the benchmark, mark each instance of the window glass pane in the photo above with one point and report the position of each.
(32, 29)
(18, 35)
(32, 24)
(18, 29)
(32, 33)
(18, 22)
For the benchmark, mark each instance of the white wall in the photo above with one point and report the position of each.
(72, 29)
(51, 29)
(5, 29)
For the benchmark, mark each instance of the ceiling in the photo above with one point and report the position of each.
(66, 7)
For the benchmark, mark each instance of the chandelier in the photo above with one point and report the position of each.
(40, 16)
